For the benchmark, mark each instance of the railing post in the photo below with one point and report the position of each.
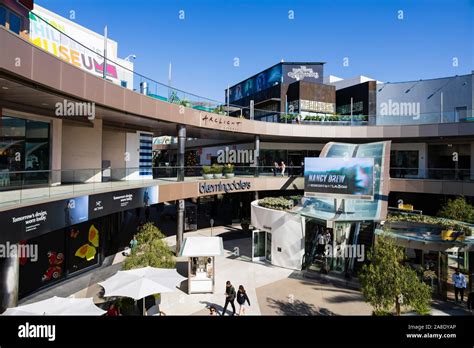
(257, 155)
(181, 150)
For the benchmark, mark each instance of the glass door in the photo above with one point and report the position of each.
(261, 246)
(268, 247)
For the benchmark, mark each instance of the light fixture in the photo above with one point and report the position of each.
(44, 104)
(5, 87)
(130, 56)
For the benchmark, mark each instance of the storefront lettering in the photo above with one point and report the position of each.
(224, 187)
(220, 122)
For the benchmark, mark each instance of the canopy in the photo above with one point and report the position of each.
(141, 282)
(58, 306)
(202, 246)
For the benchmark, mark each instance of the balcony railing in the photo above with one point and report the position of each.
(117, 72)
(451, 174)
(20, 186)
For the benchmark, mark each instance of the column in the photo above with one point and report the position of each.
(179, 224)
(472, 159)
(56, 150)
(257, 155)
(9, 281)
(181, 150)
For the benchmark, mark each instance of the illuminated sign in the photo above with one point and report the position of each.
(339, 177)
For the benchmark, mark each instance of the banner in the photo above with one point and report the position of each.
(339, 177)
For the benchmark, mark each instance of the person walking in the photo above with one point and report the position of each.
(229, 297)
(275, 168)
(459, 281)
(282, 168)
(241, 298)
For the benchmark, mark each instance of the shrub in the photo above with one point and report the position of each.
(457, 209)
(151, 250)
(277, 203)
(207, 170)
(216, 169)
(228, 168)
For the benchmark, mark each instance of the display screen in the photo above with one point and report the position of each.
(339, 177)
(255, 84)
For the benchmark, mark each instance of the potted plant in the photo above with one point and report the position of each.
(207, 172)
(217, 171)
(245, 224)
(229, 171)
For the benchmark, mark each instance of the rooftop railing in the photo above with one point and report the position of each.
(50, 37)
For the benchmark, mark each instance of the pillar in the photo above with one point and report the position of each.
(179, 224)
(181, 150)
(9, 281)
(257, 155)
(56, 150)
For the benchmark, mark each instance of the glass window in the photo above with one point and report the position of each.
(37, 129)
(403, 163)
(13, 127)
(3, 16)
(15, 23)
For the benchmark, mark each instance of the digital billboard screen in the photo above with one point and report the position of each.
(339, 177)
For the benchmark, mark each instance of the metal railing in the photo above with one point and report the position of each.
(78, 53)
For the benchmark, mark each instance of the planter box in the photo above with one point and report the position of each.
(229, 175)
(217, 176)
(208, 176)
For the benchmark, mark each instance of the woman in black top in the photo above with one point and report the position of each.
(241, 298)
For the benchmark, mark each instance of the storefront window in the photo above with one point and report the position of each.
(15, 23)
(49, 265)
(3, 16)
(24, 147)
(403, 163)
(83, 245)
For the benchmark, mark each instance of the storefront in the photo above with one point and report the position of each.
(24, 146)
(71, 236)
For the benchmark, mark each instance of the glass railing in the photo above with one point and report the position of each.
(79, 54)
(451, 174)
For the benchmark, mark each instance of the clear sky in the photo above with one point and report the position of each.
(203, 46)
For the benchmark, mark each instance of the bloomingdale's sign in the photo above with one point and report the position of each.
(224, 187)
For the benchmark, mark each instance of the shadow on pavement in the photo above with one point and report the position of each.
(298, 308)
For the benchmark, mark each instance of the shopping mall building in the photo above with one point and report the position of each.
(89, 148)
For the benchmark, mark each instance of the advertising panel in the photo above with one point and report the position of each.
(113, 202)
(29, 222)
(339, 177)
(255, 84)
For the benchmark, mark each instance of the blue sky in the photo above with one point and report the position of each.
(202, 47)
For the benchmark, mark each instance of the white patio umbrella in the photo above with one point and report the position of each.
(142, 282)
(58, 306)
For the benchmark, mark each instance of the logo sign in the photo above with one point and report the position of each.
(205, 188)
(302, 72)
(339, 177)
(219, 122)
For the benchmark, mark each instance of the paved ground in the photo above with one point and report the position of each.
(272, 290)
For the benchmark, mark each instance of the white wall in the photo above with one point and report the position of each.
(287, 234)
(132, 148)
(113, 150)
(82, 151)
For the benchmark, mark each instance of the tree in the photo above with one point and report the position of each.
(386, 280)
(151, 250)
(457, 209)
